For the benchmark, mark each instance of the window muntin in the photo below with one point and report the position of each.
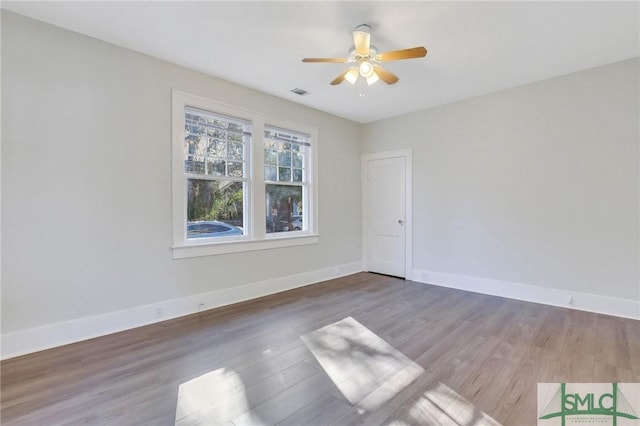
(286, 155)
(215, 166)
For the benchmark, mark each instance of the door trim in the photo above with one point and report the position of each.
(408, 205)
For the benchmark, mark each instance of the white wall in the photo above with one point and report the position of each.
(86, 182)
(537, 185)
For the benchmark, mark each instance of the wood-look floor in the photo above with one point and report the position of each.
(247, 363)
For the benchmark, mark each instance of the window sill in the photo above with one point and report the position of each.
(216, 248)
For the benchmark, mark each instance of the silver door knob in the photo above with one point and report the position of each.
(401, 222)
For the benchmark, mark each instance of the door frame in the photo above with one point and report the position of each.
(408, 205)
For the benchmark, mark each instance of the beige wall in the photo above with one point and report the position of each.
(535, 185)
(86, 181)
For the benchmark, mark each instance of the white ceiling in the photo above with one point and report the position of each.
(474, 47)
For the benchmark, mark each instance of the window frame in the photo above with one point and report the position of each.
(245, 179)
(304, 184)
(255, 236)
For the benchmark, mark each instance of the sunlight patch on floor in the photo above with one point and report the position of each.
(200, 399)
(367, 370)
(442, 406)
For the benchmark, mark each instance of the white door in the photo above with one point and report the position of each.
(384, 224)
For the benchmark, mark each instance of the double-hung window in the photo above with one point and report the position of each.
(286, 183)
(215, 168)
(242, 180)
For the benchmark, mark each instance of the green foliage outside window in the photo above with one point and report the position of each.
(215, 200)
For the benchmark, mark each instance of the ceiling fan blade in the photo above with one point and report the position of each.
(362, 40)
(336, 60)
(396, 55)
(385, 75)
(339, 79)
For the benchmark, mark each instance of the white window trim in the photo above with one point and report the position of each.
(257, 239)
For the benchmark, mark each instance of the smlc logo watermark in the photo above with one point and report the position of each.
(563, 404)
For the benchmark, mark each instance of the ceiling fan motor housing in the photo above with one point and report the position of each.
(353, 57)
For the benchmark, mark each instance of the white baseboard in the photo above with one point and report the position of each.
(530, 293)
(49, 336)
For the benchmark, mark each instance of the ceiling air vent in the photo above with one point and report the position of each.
(300, 92)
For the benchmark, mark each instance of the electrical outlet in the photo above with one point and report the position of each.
(424, 277)
(158, 312)
(570, 300)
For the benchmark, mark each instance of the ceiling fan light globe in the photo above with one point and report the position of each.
(366, 69)
(352, 75)
(372, 79)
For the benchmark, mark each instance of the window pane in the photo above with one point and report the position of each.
(193, 165)
(284, 174)
(194, 140)
(270, 157)
(284, 208)
(195, 149)
(297, 175)
(235, 169)
(284, 158)
(191, 142)
(214, 208)
(217, 148)
(217, 133)
(297, 160)
(216, 167)
(270, 173)
(232, 136)
(235, 151)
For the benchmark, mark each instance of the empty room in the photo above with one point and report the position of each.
(320, 213)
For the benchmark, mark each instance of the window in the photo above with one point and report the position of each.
(241, 180)
(215, 161)
(285, 157)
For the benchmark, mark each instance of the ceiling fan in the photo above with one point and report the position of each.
(365, 58)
